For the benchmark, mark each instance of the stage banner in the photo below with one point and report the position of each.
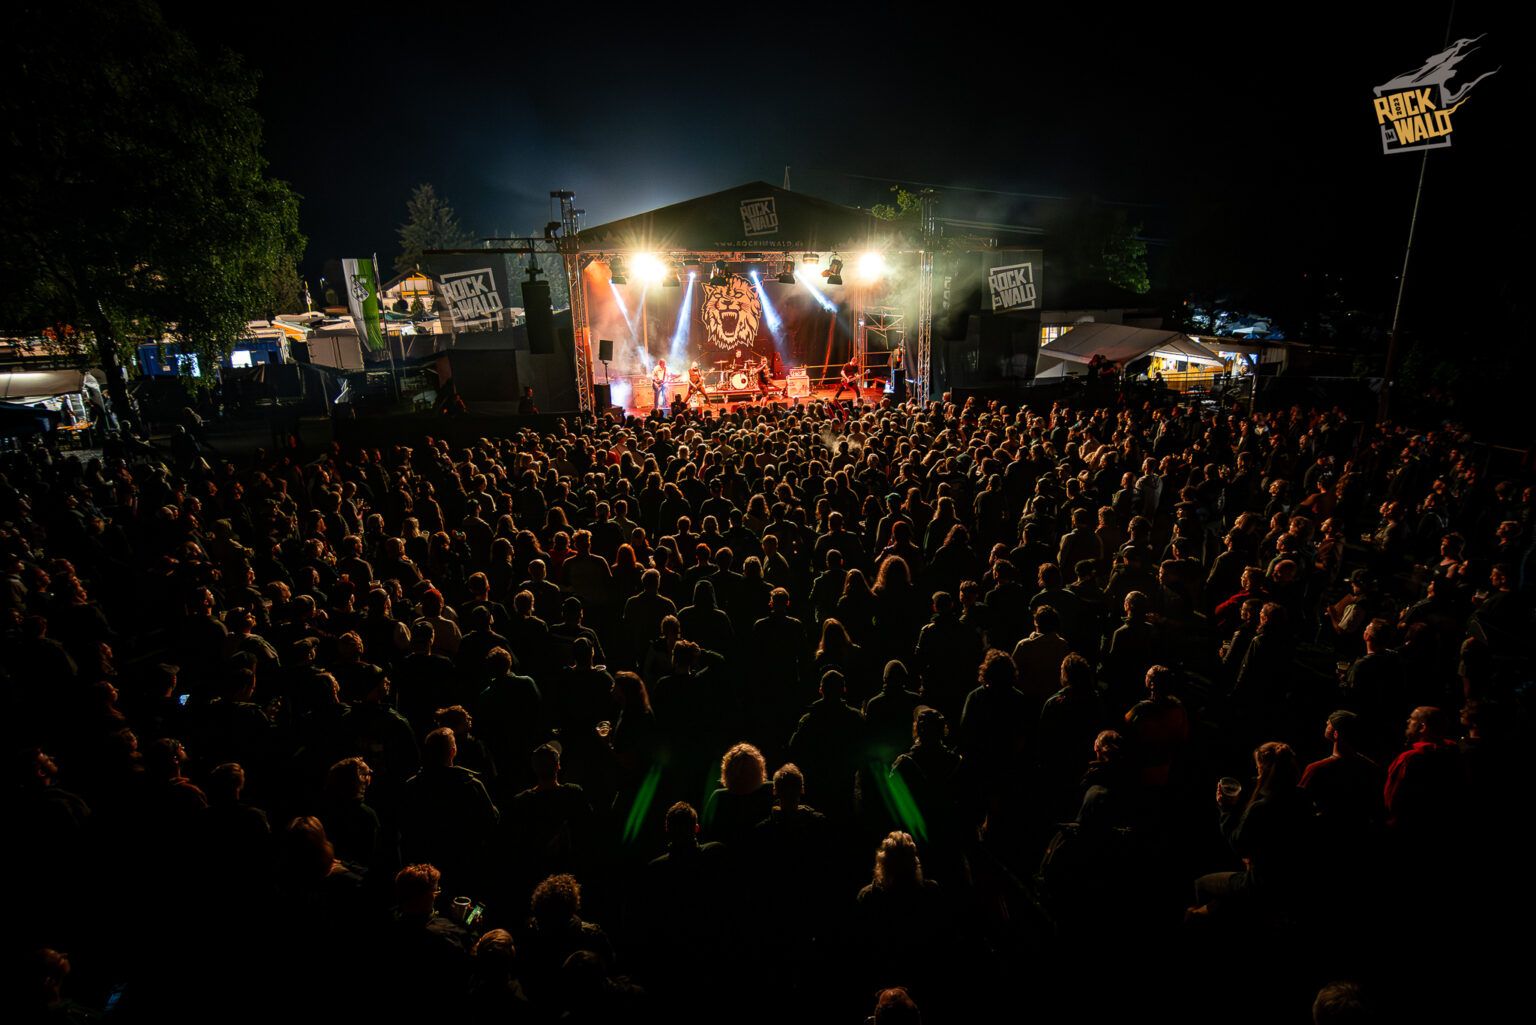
(731, 314)
(1013, 281)
(993, 281)
(476, 289)
(363, 300)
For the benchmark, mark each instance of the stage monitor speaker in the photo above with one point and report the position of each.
(602, 396)
(541, 321)
(299, 351)
(605, 350)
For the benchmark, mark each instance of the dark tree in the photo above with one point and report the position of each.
(430, 224)
(137, 200)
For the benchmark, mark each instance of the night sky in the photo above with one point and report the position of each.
(1243, 132)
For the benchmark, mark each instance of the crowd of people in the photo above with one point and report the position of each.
(925, 709)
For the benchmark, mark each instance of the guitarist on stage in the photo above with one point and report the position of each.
(765, 385)
(849, 378)
(695, 383)
(659, 385)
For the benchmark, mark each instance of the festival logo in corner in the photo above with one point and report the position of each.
(1413, 110)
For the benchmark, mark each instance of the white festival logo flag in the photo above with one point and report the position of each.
(1013, 287)
(473, 296)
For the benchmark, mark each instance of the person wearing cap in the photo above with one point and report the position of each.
(1350, 615)
(564, 635)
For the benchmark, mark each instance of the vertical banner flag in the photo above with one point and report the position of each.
(363, 300)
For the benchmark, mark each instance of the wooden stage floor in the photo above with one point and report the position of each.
(871, 395)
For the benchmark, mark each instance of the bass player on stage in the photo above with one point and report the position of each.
(659, 385)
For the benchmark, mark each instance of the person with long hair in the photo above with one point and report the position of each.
(898, 608)
(626, 573)
(1271, 831)
(855, 608)
(899, 914)
(836, 650)
(743, 799)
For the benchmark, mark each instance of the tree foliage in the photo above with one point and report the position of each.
(1088, 245)
(137, 200)
(430, 224)
(1125, 258)
(907, 208)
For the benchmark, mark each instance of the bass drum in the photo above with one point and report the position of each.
(741, 381)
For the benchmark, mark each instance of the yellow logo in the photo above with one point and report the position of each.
(1413, 110)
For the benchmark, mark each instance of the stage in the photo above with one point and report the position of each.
(726, 402)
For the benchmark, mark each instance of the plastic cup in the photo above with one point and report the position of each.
(1230, 786)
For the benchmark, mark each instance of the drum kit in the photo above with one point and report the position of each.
(736, 377)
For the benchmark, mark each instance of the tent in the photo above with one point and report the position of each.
(1120, 344)
(33, 385)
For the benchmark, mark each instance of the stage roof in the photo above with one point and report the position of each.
(1118, 344)
(756, 217)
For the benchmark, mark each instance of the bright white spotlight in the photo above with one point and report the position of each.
(811, 279)
(871, 266)
(647, 267)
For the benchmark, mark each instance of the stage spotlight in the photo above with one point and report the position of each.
(670, 280)
(616, 271)
(871, 266)
(787, 276)
(720, 277)
(649, 268)
(810, 259)
(834, 272)
(551, 230)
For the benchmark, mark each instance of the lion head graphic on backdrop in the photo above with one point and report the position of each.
(731, 313)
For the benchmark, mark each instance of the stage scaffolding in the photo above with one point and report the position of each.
(570, 250)
(887, 325)
(927, 211)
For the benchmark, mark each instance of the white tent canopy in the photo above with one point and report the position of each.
(24, 385)
(1120, 344)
